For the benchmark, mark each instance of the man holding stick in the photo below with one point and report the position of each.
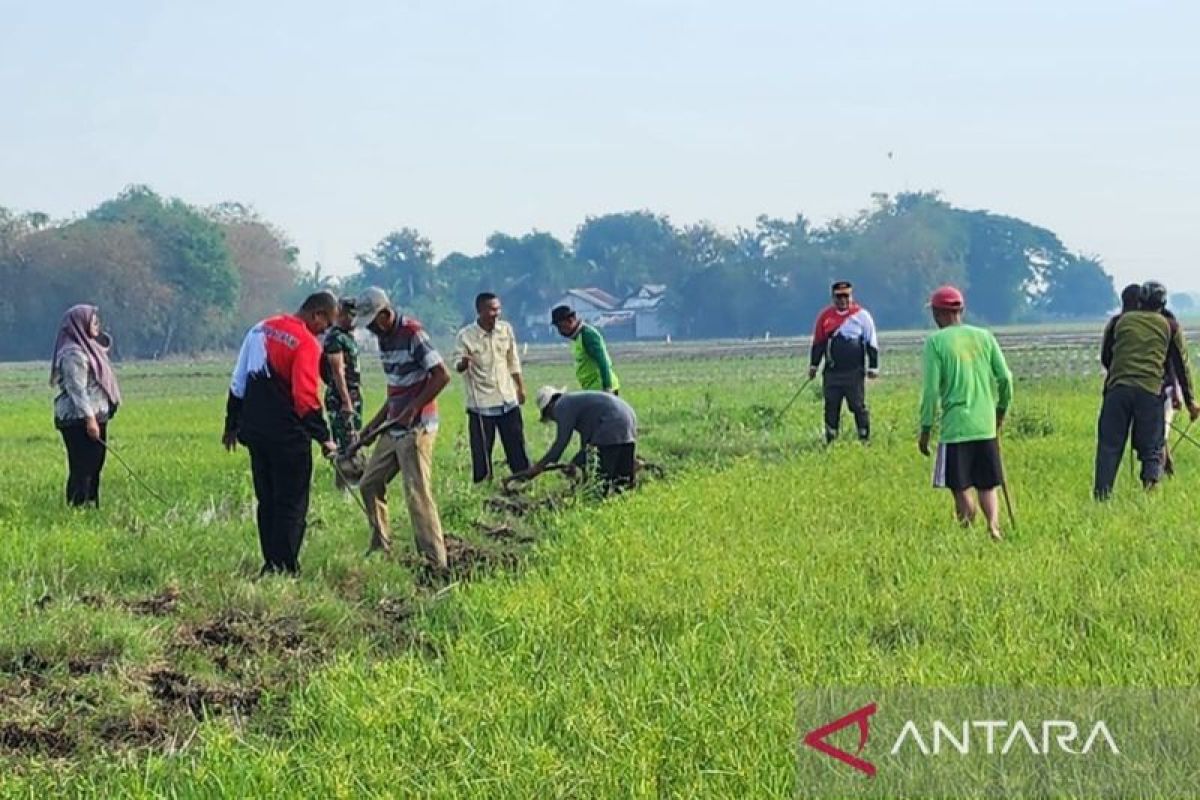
(1139, 350)
(274, 410)
(844, 338)
(485, 353)
(406, 426)
(966, 375)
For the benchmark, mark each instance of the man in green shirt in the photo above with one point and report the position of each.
(1141, 347)
(593, 367)
(966, 375)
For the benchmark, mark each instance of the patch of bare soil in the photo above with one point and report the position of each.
(17, 738)
(161, 604)
(504, 533)
(175, 688)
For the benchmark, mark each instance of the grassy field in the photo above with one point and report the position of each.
(652, 645)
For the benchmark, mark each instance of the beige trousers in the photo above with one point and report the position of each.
(412, 457)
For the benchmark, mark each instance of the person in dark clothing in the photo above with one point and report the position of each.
(606, 424)
(1172, 400)
(845, 339)
(1138, 348)
(87, 399)
(275, 411)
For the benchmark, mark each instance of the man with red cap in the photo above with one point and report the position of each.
(844, 337)
(966, 375)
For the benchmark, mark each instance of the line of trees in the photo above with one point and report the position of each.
(169, 277)
(175, 278)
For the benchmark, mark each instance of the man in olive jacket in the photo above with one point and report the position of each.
(1139, 346)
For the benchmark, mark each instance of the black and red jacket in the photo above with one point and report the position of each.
(273, 399)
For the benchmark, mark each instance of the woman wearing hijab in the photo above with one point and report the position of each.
(88, 398)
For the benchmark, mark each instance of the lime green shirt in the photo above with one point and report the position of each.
(593, 367)
(965, 374)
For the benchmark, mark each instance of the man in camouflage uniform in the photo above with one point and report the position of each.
(339, 370)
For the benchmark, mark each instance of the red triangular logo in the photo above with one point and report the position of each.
(816, 738)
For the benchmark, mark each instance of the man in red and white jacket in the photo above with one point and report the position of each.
(845, 338)
(274, 409)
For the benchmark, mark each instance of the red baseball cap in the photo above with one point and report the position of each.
(947, 298)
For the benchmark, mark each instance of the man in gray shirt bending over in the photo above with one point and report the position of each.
(605, 423)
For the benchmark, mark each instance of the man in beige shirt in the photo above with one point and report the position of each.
(485, 353)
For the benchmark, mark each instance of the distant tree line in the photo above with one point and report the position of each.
(176, 278)
(169, 278)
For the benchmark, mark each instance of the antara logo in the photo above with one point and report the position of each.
(1014, 735)
(816, 738)
(999, 737)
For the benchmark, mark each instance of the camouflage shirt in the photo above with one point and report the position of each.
(339, 340)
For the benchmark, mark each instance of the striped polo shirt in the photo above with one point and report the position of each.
(408, 356)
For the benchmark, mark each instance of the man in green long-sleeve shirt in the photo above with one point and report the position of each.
(593, 367)
(966, 375)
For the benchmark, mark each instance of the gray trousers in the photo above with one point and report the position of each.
(1125, 407)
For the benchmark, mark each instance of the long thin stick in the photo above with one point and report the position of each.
(478, 418)
(1183, 434)
(133, 474)
(1012, 518)
(799, 391)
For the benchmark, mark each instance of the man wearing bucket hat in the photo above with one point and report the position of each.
(406, 426)
(966, 375)
(605, 423)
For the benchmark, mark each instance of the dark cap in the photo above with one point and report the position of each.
(841, 285)
(560, 313)
(1131, 295)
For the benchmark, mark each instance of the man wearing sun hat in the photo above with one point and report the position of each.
(966, 375)
(606, 424)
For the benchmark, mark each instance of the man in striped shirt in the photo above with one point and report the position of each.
(415, 375)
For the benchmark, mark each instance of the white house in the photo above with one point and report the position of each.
(646, 305)
(593, 306)
(639, 316)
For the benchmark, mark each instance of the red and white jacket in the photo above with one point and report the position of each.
(273, 396)
(846, 340)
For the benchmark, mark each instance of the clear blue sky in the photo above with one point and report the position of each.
(339, 122)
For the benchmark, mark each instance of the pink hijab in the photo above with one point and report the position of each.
(73, 333)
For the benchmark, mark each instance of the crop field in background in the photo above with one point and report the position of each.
(647, 646)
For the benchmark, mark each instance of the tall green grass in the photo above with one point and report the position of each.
(652, 645)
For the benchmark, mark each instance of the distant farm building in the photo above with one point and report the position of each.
(638, 316)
